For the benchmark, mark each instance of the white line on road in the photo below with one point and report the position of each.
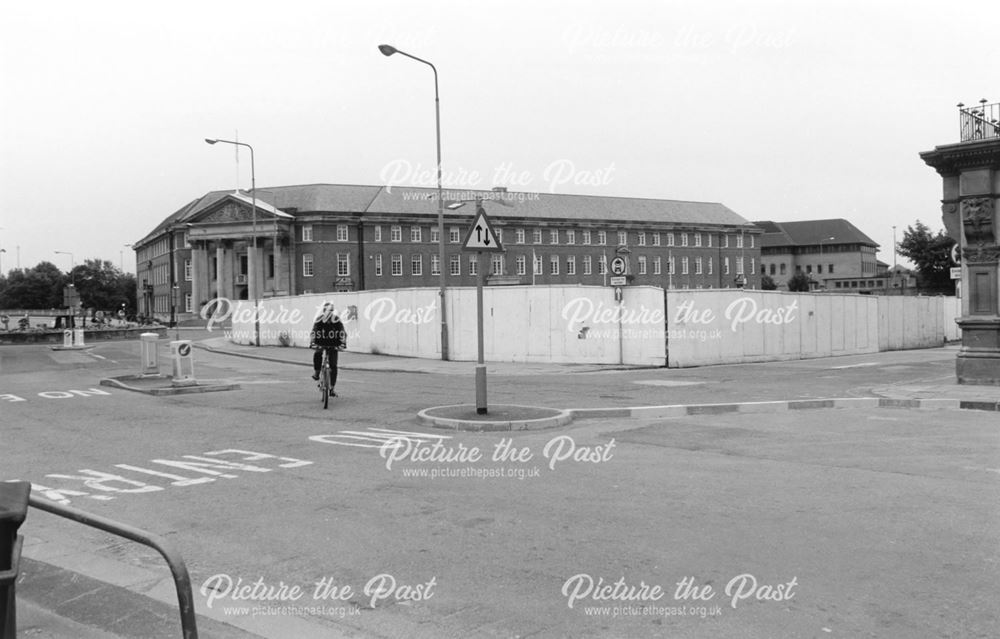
(854, 365)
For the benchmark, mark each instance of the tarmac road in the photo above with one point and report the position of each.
(873, 522)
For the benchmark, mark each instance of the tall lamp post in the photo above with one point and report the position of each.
(252, 277)
(72, 262)
(388, 50)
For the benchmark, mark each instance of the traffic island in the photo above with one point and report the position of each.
(504, 417)
(165, 385)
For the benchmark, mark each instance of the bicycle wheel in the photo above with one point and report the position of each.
(325, 386)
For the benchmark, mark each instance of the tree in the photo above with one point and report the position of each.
(767, 283)
(103, 286)
(35, 288)
(800, 283)
(932, 256)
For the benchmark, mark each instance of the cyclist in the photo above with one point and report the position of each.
(328, 334)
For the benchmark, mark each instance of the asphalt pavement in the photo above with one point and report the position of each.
(754, 388)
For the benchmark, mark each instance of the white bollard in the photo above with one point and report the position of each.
(78, 337)
(67, 338)
(183, 360)
(149, 354)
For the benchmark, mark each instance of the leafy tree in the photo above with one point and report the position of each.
(767, 283)
(101, 285)
(38, 287)
(932, 256)
(800, 283)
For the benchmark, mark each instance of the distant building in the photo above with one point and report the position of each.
(833, 253)
(324, 237)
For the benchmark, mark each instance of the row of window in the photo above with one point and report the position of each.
(696, 265)
(554, 236)
(781, 269)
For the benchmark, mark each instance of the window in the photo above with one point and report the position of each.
(536, 236)
(342, 235)
(521, 263)
(537, 265)
(454, 235)
(395, 234)
(378, 265)
(670, 239)
(622, 238)
(187, 303)
(829, 270)
(415, 234)
(571, 236)
(602, 238)
(809, 268)
(497, 264)
(435, 235)
(684, 239)
(657, 265)
(307, 265)
(710, 265)
(587, 270)
(656, 239)
(499, 234)
(697, 266)
(725, 240)
(397, 265)
(554, 236)
(554, 265)
(708, 239)
(187, 270)
(473, 265)
(519, 236)
(378, 233)
(697, 239)
(571, 265)
(417, 264)
(435, 264)
(819, 269)
(671, 265)
(772, 269)
(684, 266)
(753, 261)
(343, 264)
(640, 239)
(739, 241)
(739, 266)
(725, 266)
(642, 265)
(602, 265)
(751, 241)
(586, 237)
(455, 264)
(781, 268)
(307, 233)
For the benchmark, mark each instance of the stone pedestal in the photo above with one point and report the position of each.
(971, 174)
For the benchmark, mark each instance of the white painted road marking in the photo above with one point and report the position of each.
(836, 368)
(375, 437)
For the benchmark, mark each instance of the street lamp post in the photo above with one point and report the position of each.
(388, 50)
(252, 276)
(72, 262)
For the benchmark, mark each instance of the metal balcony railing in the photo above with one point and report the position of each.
(979, 123)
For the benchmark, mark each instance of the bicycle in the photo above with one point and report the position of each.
(324, 379)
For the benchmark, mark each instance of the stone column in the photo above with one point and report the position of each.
(200, 285)
(971, 174)
(280, 280)
(224, 269)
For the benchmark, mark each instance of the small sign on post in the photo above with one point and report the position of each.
(183, 363)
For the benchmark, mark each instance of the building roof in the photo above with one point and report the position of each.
(812, 233)
(375, 200)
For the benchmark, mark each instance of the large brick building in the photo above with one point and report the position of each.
(835, 254)
(325, 237)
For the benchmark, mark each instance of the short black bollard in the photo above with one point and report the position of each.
(13, 508)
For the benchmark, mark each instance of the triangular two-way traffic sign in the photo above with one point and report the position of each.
(482, 236)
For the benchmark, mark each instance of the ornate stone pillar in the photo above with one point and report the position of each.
(971, 174)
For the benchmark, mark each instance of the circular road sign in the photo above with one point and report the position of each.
(618, 266)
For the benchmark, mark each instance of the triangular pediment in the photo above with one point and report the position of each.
(232, 209)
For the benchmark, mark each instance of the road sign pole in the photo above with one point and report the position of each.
(481, 362)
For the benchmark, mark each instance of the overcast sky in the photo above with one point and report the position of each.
(780, 110)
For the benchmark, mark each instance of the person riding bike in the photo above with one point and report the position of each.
(328, 335)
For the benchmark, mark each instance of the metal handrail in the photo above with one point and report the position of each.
(182, 580)
(979, 123)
